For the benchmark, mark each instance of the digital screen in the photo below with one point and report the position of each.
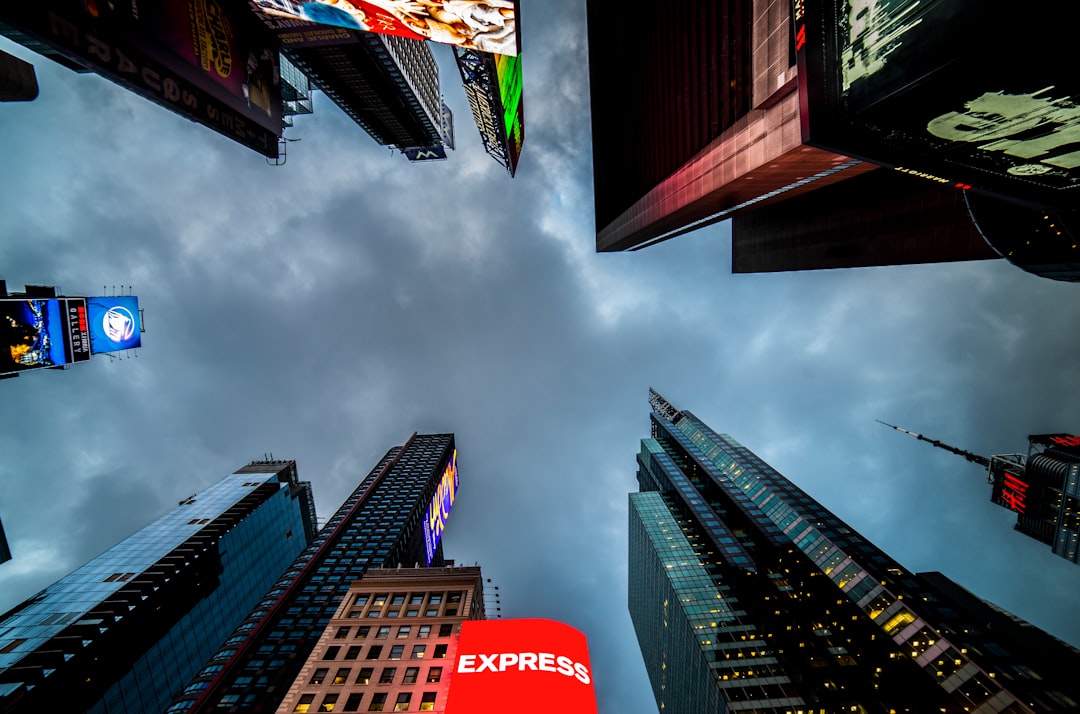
(78, 329)
(114, 323)
(524, 666)
(32, 334)
(435, 152)
(934, 87)
(438, 510)
(485, 25)
(1067, 443)
(508, 70)
(1011, 491)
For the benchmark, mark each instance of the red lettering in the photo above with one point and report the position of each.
(1013, 492)
(800, 37)
(1066, 440)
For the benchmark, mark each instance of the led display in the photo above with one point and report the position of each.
(32, 334)
(508, 70)
(934, 86)
(438, 510)
(485, 25)
(114, 323)
(1067, 443)
(525, 666)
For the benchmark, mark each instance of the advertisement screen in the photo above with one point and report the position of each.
(524, 666)
(508, 70)
(204, 59)
(78, 330)
(485, 25)
(438, 510)
(1067, 443)
(114, 323)
(32, 334)
(933, 87)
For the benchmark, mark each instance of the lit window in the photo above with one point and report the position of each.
(377, 702)
(397, 651)
(434, 675)
(305, 702)
(320, 676)
(342, 676)
(404, 631)
(365, 675)
(424, 631)
(427, 704)
(410, 675)
(328, 703)
(440, 651)
(418, 651)
(403, 700)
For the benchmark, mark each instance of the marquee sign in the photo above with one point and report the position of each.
(438, 511)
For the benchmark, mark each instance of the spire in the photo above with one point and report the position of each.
(663, 407)
(973, 458)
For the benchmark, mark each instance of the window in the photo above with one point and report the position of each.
(411, 674)
(397, 651)
(427, 704)
(320, 676)
(352, 704)
(380, 600)
(416, 599)
(431, 612)
(412, 613)
(377, 701)
(434, 675)
(404, 631)
(11, 646)
(375, 652)
(403, 700)
(353, 652)
(454, 597)
(383, 632)
(361, 600)
(392, 613)
(440, 651)
(424, 631)
(342, 633)
(362, 632)
(446, 630)
(365, 675)
(373, 612)
(387, 676)
(436, 599)
(342, 676)
(305, 702)
(398, 599)
(332, 652)
(418, 651)
(328, 703)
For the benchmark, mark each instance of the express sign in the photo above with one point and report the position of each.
(530, 666)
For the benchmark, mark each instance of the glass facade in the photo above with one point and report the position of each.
(379, 525)
(118, 633)
(745, 590)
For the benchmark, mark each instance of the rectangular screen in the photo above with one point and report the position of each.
(438, 510)
(114, 323)
(32, 334)
(508, 70)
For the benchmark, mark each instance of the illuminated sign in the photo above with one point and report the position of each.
(32, 334)
(78, 332)
(1012, 492)
(114, 323)
(1068, 443)
(508, 70)
(202, 59)
(435, 152)
(914, 83)
(484, 25)
(529, 666)
(493, 85)
(438, 510)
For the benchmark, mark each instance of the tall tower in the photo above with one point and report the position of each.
(119, 632)
(747, 594)
(394, 517)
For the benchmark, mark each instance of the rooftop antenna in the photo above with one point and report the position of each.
(973, 458)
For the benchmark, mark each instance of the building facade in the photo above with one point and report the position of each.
(748, 595)
(117, 634)
(391, 644)
(5, 550)
(394, 517)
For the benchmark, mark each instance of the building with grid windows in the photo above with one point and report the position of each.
(395, 516)
(748, 595)
(391, 644)
(117, 634)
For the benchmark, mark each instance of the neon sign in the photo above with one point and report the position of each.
(1067, 440)
(1013, 492)
(439, 509)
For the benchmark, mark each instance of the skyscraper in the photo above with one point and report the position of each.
(5, 551)
(714, 113)
(118, 633)
(748, 595)
(395, 516)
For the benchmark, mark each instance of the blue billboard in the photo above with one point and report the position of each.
(438, 510)
(114, 323)
(31, 334)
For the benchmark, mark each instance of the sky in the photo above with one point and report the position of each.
(326, 309)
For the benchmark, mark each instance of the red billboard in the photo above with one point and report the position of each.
(527, 666)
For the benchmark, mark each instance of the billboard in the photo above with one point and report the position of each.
(934, 88)
(42, 332)
(1066, 443)
(114, 323)
(438, 511)
(204, 59)
(508, 70)
(493, 86)
(527, 666)
(484, 25)
(1011, 490)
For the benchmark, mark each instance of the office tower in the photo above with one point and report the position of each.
(714, 111)
(117, 634)
(391, 643)
(748, 595)
(18, 82)
(5, 551)
(395, 516)
(1042, 487)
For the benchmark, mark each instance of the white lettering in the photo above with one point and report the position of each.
(547, 662)
(566, 666)
(506, 659)
(466, 663)
(522, 661)
(487, 662)
(582, 673)
(527, 661)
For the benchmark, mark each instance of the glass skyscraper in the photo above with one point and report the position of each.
(748, 595)
(393, 517)
(119, 633)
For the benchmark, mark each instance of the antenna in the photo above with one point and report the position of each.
(973, 458)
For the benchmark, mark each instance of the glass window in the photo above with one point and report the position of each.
(454, 597)
(352, 704)
(377, 701)
(332, 652)
(375, 652)
(446, 630)
(387, 676)
(411, 674)
(342, 676)
(431, 612)
(403, 700)
(427, 704)
(365, 675)
(342, 633)
(440, 651)
(418, 651)
(353, 652)
(404, 631)
(320, 676)
(328, 703)
(383, 632)
(380, 600)
(424, 631)
(305, 702)
(434, 675)
(436, 599)
(362, 632)
(396, 651)
(416, 599)
(412, 613)
(398, 599)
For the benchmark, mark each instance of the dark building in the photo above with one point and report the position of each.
(748, 595)
(5, 551)
(1042, 487)
(394, 517)
(704, 117)
(117, 634)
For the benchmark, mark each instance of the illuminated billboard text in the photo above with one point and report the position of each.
(114, 323)
(439, 509)
(529, 666)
